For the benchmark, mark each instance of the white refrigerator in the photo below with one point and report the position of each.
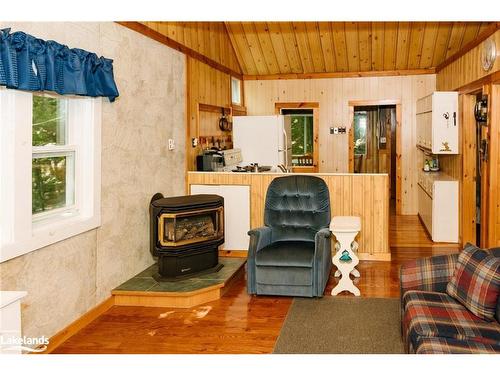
(266, 140)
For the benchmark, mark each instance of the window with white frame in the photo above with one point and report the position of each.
(53, 159)
(49, 169)
(235, 90)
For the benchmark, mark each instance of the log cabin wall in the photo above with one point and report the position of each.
(333, 95)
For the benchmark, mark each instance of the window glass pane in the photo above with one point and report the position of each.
(235, 90)
(360, 133)
(302, 140)
(49, 120)
(52, 183)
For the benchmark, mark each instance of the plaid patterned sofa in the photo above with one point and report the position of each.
(434, 322)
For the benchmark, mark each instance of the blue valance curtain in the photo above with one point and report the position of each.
(29, 63)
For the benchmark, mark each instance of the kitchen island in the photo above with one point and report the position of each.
(363, 195)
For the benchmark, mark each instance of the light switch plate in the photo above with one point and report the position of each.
(171, 144)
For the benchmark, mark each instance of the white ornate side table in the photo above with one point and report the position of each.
(345, 229)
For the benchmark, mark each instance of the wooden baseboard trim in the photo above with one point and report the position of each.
(78, 324)
(233, 253)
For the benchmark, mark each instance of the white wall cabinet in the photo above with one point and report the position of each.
(236, 213)
(438, 205)
(438, 123)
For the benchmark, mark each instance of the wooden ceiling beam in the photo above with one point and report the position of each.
(153, 34)
(369, 73)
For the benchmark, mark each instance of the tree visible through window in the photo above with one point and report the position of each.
(302, 135)
(302, 139)
(360, 121)
(52, 165)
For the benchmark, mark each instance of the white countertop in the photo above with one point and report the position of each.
(8, 297)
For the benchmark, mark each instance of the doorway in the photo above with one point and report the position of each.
(374, 142)
(304, 123)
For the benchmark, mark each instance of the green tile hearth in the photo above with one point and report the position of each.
(145, 282)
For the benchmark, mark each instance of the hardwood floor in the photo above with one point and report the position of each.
(237, 323)
(408, 231)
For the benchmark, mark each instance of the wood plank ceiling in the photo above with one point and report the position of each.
(280, 48)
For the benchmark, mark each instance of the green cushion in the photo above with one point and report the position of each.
(286, 254)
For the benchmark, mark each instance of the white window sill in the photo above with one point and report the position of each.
(47, 232)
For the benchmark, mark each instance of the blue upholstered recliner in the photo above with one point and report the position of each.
(291, 254)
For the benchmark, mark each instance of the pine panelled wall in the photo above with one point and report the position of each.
(267, 48)
(208, 86)
(333, 95)
(466, 69)
(466, 74)
(362, 195)
(208, 38)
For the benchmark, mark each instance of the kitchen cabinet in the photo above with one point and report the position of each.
(438, 205)
(236, 213)
(438, 123)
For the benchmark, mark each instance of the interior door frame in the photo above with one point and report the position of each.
(491, 234)
(490, 169)
(305, 105)
(364, 103)
(469, 172)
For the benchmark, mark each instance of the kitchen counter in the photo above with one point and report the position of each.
(363, 195)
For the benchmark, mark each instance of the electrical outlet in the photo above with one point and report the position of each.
(194, 142)
(171, 144)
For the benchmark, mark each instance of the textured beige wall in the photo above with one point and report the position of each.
(333, 95)
(67, 279)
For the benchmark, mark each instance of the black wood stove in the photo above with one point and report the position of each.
(186, 233)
